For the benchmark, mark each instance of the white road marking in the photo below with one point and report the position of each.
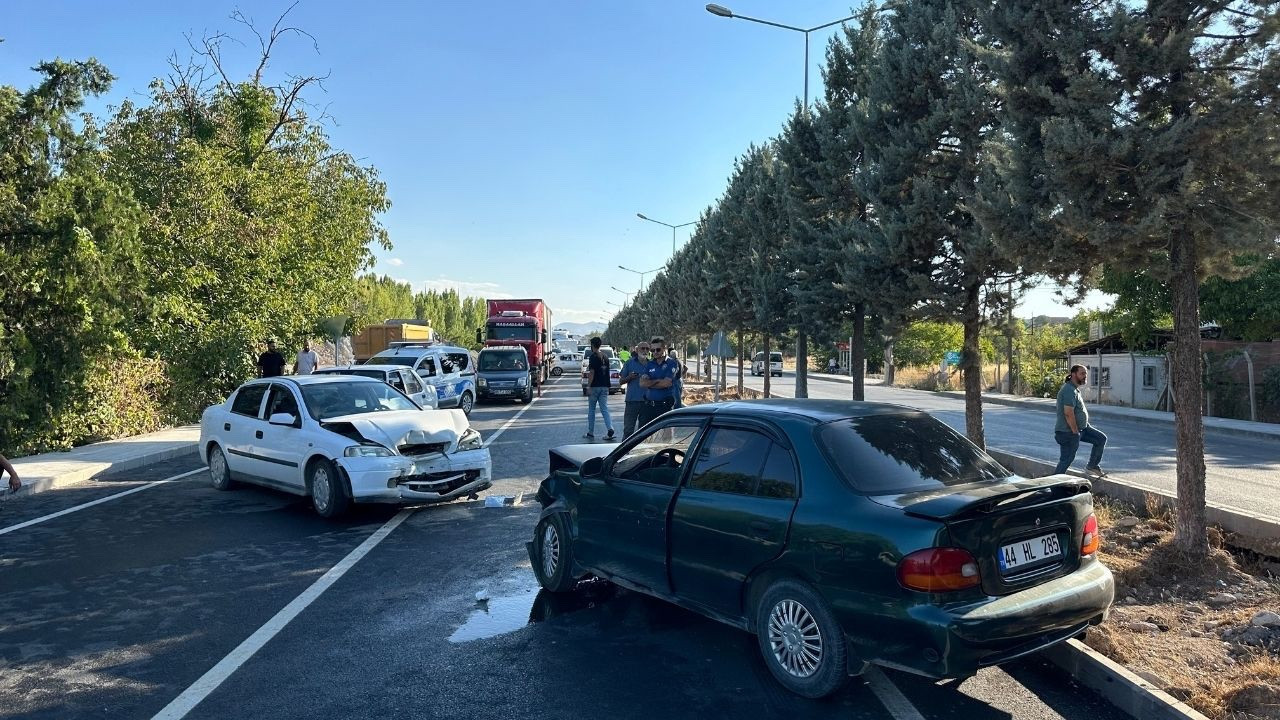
(99, 501)
(201, 688)
(890, 696)
(498, 433)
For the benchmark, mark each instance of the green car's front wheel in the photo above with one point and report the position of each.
(552, 555)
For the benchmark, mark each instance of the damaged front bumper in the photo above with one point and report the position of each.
(432, 478)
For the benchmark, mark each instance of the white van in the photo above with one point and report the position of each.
(775, 364)
(450, 369)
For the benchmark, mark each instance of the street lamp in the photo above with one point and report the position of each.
(642, 216)
(724, 12)
(641, 274)
(624, 292)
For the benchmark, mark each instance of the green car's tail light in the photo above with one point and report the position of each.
(1090, 540)
(939, 570)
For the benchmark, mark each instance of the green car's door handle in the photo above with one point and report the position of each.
(649, 512)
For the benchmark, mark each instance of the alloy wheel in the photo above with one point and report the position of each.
(550, 550)
(795, 639)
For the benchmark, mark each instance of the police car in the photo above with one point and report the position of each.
(450, 369)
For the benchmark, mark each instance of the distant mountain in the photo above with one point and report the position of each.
(582, 328)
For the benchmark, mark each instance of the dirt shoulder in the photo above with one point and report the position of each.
(1206, 632)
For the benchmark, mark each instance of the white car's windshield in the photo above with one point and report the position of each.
(330, 400)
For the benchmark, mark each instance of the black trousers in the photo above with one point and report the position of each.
(654, 409)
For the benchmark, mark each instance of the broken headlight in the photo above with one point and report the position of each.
(470, 440)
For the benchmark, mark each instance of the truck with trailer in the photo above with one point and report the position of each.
(526, 323)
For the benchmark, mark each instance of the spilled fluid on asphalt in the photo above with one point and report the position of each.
(507, 613)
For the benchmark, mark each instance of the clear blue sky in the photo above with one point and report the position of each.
(518, 140)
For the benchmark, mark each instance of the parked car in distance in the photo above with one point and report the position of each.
(503, 374)
(775, 364)
(340, 439)
(404, 379)
(449, 369)
(566, 362)
(615, 376)
(839, 533)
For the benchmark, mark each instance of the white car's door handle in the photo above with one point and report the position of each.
(226, 427)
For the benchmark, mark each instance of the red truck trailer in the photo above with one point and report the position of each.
(526, 323)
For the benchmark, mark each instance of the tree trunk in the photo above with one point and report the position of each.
(741, 350)
(1190, 535)
(888, 361)
(971, 365)
(802, 365)
(858, 350)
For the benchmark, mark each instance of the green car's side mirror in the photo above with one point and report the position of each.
(592, 468)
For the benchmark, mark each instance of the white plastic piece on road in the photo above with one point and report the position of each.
(99, 501)
(495, 501)
(890, 696)
(200, 689)
(482, 596)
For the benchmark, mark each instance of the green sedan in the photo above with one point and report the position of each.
(839, 533)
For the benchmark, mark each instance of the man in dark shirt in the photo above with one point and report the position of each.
(597, 390)
(658, 382)
(271, 362)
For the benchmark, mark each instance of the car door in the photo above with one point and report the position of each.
(622, 514)
(416, 391)
(464, 373)
(732, 515)
(430, 374)
(279, 448)
(239, 428)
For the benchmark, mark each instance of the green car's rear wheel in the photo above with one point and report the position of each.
(802, 644)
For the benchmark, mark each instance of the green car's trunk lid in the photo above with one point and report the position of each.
(1021, 531)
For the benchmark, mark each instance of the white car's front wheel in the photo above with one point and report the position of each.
(219, 472)
(327, 495)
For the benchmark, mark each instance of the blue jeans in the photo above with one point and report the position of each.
(598, 396)
(1070, 443)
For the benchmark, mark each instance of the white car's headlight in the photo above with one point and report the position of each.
(470, 440)
(522, 381)
(483, 382)
(367, 451)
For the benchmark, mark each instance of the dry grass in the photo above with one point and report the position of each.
(1157, 583)
(703, 395)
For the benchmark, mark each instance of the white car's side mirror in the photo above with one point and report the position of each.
(283, 419)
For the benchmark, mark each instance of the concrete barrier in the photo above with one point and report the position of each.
(1258, 533)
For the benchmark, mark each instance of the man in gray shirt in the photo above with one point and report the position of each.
(1072, 427)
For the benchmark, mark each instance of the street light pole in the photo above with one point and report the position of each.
(641, 274)
(642, 216)
(724, 12)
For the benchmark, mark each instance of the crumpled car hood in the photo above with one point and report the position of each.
(405, 427)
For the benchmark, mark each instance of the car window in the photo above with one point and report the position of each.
(392, 360)
(884, 454)
(330, 400)
(412, 383)
(459, 362)
(503, 360)
(778, 479)
(427, 367)
(775, 357)
(282, 401)
(730, 461)
(248, 400)
(646, 462)
(375, 374)
(394, 380)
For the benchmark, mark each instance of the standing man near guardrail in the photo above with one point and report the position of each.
(1072, 427)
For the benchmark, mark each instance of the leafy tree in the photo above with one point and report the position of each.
(381, 298)
(70, 260)
(925, 343)
(1127, 153)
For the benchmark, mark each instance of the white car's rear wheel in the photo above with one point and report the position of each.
(219, 472)
(557, 371)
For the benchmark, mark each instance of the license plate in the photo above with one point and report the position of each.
(499, 392)
(1024, 553)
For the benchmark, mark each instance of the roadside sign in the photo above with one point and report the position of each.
(952, 357)
(720, 346)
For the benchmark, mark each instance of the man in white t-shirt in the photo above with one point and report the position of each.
(307, 360)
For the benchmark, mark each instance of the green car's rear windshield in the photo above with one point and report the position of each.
(892, 454)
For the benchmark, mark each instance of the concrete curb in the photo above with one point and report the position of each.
(1119, 686)
(47, 474)
(1250, 530)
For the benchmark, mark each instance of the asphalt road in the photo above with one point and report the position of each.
(204, 604)
(1242, 473)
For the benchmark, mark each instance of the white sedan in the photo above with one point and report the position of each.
(342, 439)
